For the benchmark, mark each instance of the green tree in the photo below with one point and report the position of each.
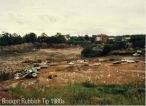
(58, 38)
(87, 38)
(5, 39)
(95, 50)
(43, 38)
(30, 38)
(138, 40)
(16, 39)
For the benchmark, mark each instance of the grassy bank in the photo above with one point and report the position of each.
(89, 93)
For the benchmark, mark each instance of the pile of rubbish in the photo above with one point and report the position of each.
(138, 53)
(31, 73)
(123, 60)
(77, 62)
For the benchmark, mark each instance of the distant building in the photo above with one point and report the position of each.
(102, 38)
(126, 38)
(112, 38)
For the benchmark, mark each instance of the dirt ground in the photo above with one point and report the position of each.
(62, 72)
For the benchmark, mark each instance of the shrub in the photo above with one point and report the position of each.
(96, 50)
(88, 52)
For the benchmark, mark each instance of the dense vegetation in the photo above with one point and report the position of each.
(12, 39)
(91, 47)
(89, 93)
(96, 50)
(118, 46)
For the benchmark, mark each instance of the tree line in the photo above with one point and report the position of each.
(84, 41)
(13, 39)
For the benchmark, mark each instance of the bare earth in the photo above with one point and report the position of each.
(64, 73)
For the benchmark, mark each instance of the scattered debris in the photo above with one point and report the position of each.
(38, 68)
(70, 73)
(130, 61)
(96, 64)
(139, 51)
(17, 76)
(43, 65)
(136, 54)
(80, 61)
(52, 76)
(32, 73)
(71, 63)
(102, 60)
(124, 60)
(116, 62)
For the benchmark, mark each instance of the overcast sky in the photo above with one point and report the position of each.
(74, 17)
